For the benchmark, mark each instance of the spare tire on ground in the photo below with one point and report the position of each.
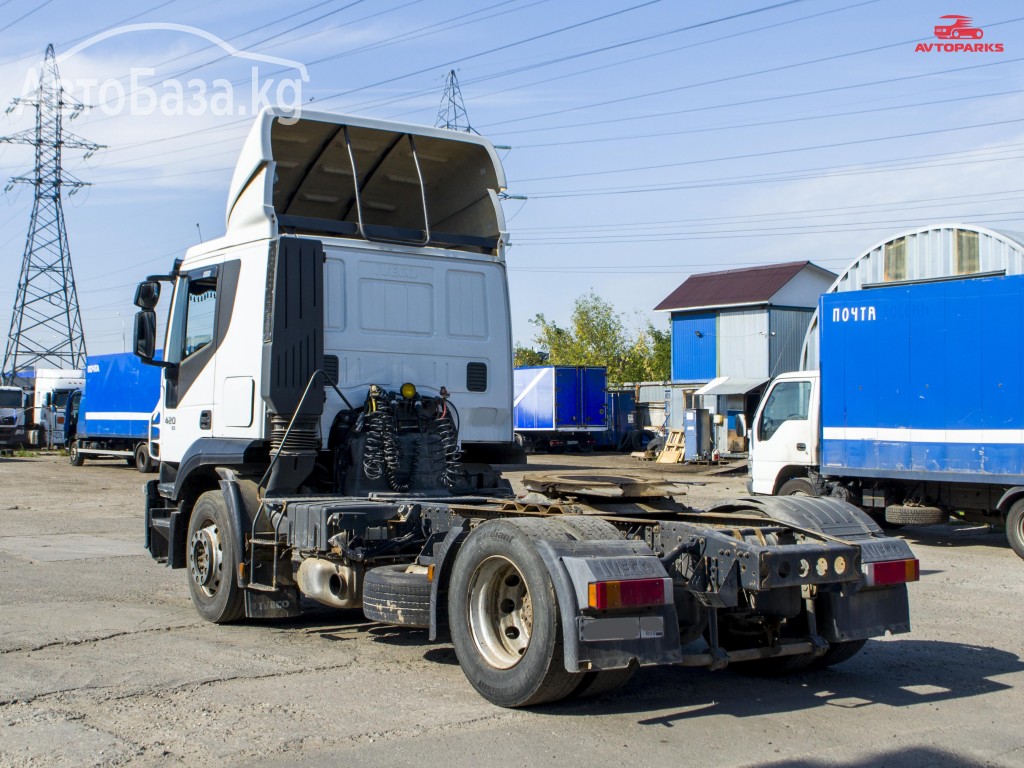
(906, 515)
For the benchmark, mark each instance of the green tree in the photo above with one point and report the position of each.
(598, 335)
(524, 357)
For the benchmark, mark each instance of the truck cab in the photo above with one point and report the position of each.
(13, 404)
(784, 439)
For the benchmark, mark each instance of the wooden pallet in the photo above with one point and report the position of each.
(673, 451)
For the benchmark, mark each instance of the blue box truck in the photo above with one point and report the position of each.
(112, 415)
(559, 407)
(917, 412)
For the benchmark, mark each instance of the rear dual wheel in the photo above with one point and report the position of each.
(505, 620)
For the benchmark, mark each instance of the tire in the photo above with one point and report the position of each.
(211, 560)
(143, 463)
(837, 653)
(392, 596)
(504, 617)
(1015, 527)
(76, 458)
(797, 486)
(904, 515)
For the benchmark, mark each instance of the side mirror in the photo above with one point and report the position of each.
(147, 295)
(145, 332)
(741, 425)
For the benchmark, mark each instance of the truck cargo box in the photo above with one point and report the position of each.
(924, 378)
(559, 398)
(119, 397)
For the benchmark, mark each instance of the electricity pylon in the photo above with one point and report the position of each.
(46, 326)
(452, 112)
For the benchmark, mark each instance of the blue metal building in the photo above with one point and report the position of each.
(732, 331)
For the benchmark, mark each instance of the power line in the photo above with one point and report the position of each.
(764, 123)
(764, 99)
(26, 15)
(720, 80)
(789, 228)
(773, 152)
(69, 43)
(496, 49)
(805, 213)
(505, 72)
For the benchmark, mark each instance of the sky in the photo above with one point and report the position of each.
(643, 140)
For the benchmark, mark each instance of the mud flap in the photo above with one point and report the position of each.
(852, 614)
(615, 639)
(280, 604)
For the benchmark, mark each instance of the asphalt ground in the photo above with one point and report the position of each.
(103, 661)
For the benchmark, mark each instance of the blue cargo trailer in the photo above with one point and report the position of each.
(924, 381)
(917, 412)
(559, 407)
(113, 414)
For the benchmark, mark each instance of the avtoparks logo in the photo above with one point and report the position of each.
(953, 26)
(135, 92)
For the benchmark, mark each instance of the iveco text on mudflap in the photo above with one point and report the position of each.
(337, 371)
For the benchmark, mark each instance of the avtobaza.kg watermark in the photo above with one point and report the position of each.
(271, 80)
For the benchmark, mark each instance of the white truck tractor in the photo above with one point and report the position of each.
(337, 381)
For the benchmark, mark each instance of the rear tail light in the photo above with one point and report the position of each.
(633, 593)
(891, 572)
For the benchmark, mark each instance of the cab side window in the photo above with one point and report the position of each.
(788, 401)
(200, 314)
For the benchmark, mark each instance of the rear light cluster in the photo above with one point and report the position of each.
(891, 572)
(632, 593)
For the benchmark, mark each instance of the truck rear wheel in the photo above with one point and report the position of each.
(1015, 527)
(211, 560)
(504, 617)
(74, 456)
(392, 596)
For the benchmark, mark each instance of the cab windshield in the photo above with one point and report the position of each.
(10, 398)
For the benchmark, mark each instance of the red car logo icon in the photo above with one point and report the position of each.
(959, 26)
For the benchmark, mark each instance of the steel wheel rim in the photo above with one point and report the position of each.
(500, 612)
(206, 558)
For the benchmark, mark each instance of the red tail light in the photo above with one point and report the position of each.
(633, 593)
(891, 572)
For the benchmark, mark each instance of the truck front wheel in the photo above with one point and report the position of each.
(1015, 527)
(798, 486)
(504, 617)
(74, 455)
(143, 462)
(211, 561)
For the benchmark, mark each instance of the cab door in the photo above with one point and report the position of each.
(188, 385)
(785, 431)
